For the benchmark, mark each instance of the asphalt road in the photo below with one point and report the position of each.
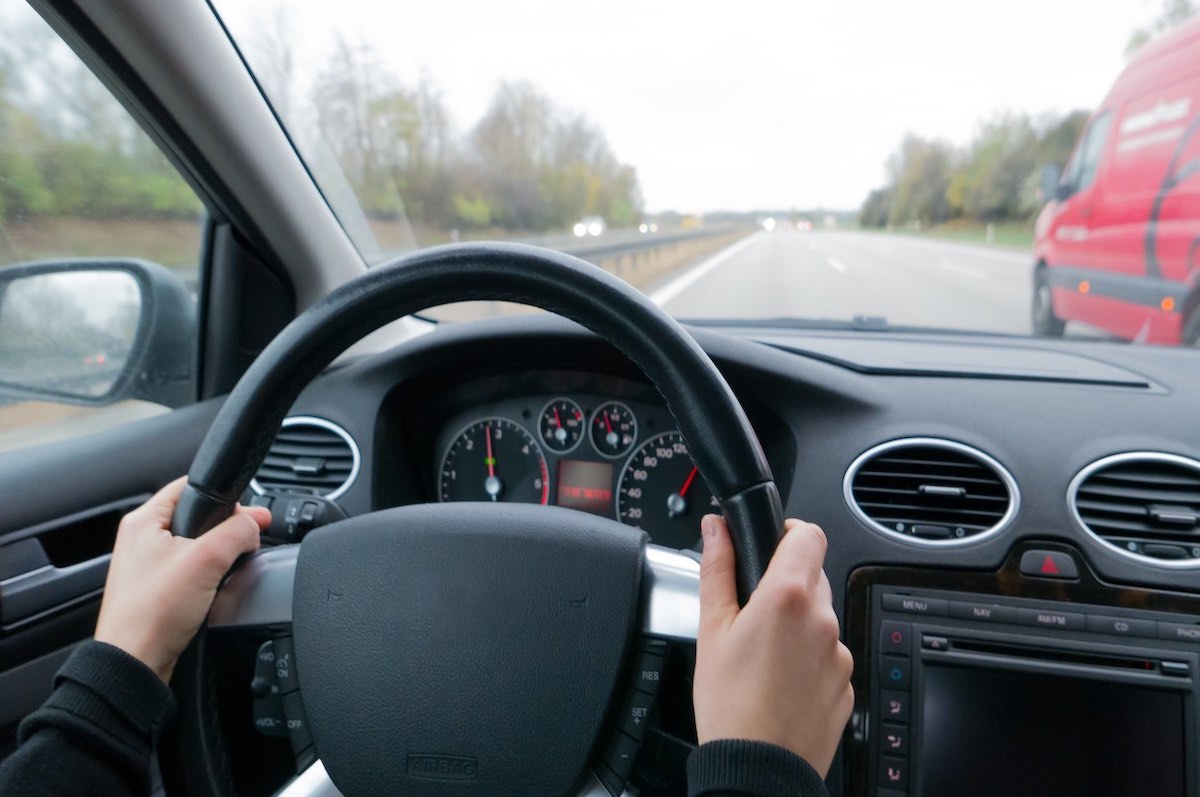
(840, 275)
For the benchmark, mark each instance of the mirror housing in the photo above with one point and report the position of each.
(95, 332)
(1050, 183)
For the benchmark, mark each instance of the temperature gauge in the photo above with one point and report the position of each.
(614, 429)
(561, 425)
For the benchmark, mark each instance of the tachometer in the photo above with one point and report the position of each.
(662, 493)
(495, 459)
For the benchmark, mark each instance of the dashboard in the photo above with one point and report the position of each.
(980, 495)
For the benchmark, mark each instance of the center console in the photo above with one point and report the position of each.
(1037, 679)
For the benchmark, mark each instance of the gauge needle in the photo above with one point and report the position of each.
(677, 502)
(611, 437)
(561, 434)
(491, 484)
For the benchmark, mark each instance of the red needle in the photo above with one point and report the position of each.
(557, 419)
(491, 461)
(687, 484)
(607, 422)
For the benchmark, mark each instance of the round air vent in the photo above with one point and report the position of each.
(929, 491)
(1144, 504)
(310, 456)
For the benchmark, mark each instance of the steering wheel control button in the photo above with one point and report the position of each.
(893, 740)
(647, 670)
(1063, 621)
(285, 665)
(1049, 564)
(621, 754)
(893, 706)
(910, 604)
(1121, 626)
(895, 672)
(983, 612)
(636, 713)
(893, 773)
(297, 723)
(895, 637)
(268, 710)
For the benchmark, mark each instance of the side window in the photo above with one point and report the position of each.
(100, 243)
(1081, 171)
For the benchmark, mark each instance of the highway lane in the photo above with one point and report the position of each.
(840, 275)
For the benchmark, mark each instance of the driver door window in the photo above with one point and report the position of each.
(81, 181)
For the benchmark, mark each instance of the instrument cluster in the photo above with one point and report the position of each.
(621, 459)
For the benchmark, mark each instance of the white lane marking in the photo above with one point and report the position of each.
(693, 275)
(960, 269)
(836, 264)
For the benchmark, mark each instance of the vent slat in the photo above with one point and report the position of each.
(328, 461)
(1138, 504)
(887, 488)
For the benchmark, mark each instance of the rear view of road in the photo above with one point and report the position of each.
(842, 275)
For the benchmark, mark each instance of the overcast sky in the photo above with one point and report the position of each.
(747, 104)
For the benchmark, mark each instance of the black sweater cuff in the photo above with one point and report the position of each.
(741, 768)
(107, 688)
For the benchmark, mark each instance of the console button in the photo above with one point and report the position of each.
(930, 642)
(893, 772)
(893, 706)
(883, 792)
(1121, 626)
(894, 671)
(1048, 564)
(1179, 632)
(635, 713)
(914, 605)
(1049, 618)
(894, 637)
(1178, 669)
(285, 665)
(893, 739)
(987, 612)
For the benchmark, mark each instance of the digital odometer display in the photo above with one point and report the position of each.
(586, 486)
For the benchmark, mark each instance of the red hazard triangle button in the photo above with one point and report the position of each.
(1049, 564)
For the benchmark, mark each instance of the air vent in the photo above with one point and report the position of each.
(1144, 504)
(311, 456)
(930, 491)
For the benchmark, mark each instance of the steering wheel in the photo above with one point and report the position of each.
(462, 649)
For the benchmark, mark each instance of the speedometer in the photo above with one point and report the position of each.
(495, 459)
(662, 493)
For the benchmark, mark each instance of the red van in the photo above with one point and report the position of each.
(1118, 245)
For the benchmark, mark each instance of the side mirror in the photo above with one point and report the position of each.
(96, 332)
(1050, 183)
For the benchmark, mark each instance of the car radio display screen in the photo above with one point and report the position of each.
(997, 732)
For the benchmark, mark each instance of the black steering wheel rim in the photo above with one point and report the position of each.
(711, 420)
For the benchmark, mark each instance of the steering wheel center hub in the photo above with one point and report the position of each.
(463, 649)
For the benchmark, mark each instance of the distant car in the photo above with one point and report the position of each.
(647, 226)
(804, 225)
(589, 225)
(1118, 244)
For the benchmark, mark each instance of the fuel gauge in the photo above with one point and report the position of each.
(561, 425)
(614, 429)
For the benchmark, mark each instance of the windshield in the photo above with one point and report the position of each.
(903, 165)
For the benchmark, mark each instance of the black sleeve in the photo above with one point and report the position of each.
(96, 732)
(740, 768)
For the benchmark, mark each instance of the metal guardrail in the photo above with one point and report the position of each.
(593, 249)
